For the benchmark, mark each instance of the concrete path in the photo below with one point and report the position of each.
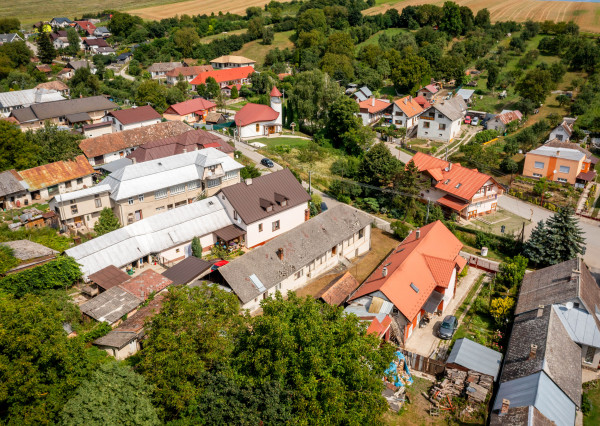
(399, 154)
(124, 75)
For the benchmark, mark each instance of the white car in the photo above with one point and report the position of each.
(475, 121)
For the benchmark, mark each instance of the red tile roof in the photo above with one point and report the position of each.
(55, 173)
(193, 105)
(409, 106)
(509, 116)
(136, 115)
(254, 113)
(426, 263)
(225, 75)
(338, 290)
(379, 328)
(275, 92)
(432, 88)
(86, 26)
(373, 105)
(145, 283)
(454, 203)
(459, 181)
(189, 71)
(424, 103)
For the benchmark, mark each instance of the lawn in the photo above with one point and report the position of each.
(274, 142)
(493, 223)
(591, 394)
(210, 38)
(258, 51)
(374, 39)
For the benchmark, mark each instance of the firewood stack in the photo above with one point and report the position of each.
(475, 386)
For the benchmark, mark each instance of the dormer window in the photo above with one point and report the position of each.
(458, 186)
(266, 204)
(281, 199)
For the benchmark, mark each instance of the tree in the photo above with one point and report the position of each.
(451, 19)
(435, 213)
(8, 25)
(356, 141)
(493, 74)
(84, 83)
(511, 272)
(339, 67)
(340, 43)
(46, 50)
(535, 85)
(311, 19)
(249, 172)
(540, 187)
(212, 87)
(115, 394)
(508, 165)
(268, 35)
(401, 229)
(196, 247)
(186, 39)
(153, 93)
(410, 72)
(74, 40)
(315, 204)
(107, 222)
(123, 24)
(409, 184)
(324, 358)
(234, 92)
(255, 28)
(342, 118)
(501, 309)
(54, 145)
(563, 100)
(482, 19)
(378, 166)
(15, 150)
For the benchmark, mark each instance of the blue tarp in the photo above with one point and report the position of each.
(392, 372)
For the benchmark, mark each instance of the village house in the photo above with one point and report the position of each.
(105, 51)
(85, 26)
(406, 113)
(184, 142)
(105, 279)
(102, 32)
(60, 22)
(44, 182)
(442, 120)
(93, 44)
(12, 192)
(132, 118)
(189, 271)
(63, 113)
(559, 164)
(124, 58)
(467, 355)
(192, 111)
(457, 189)
(267, 206)
(96, 129)
(289, 261)
(372, 110)
(55, 85)
(231, 61)
(224, 77)
(84, 63)
(186, 73)
(110, 147)
(81, 208)
(563, 131)
(17, 99)
(45, 69)
(417, 279)
(500, 121)
(147, 283)
(227, 89)
(361, 94)
(466, 95)
(428, 91)
(256, 120)
(111, 306)
(9, 38)
(159, 69)
(165, 238)
(61, 41)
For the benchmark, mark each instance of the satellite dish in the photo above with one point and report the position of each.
(569, 305)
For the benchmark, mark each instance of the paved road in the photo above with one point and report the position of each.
(534, 213)
(124, 75)
(400, 155)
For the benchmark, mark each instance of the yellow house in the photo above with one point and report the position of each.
(564, 165)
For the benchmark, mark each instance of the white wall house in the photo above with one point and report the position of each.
(133, 118)
(441, 122)
(406, 112)
(563, 131)
(255, 120)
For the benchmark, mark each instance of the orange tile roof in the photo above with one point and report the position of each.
(459, 181)
(409, 106)
(193, 105)
(224, 75)
(55, 173)
(453, 202)
(379, 328)
(424, 262)
(424, 103)
(373, 105)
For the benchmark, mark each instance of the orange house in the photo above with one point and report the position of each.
(565, 165)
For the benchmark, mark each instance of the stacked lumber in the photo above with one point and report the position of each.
(474, 385)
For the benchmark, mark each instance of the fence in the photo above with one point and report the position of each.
(424, 364)
(481, 262)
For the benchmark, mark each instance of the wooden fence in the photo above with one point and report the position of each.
(424, 364)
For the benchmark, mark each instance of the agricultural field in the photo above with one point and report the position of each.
(195, 7)
(257, 51)
(585, 14)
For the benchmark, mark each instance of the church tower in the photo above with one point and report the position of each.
(277, 104)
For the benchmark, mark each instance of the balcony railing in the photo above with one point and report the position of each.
(477, 199)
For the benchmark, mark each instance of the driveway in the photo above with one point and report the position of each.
(424, 340)
(399, 154)
(124, 75)
(590, 228)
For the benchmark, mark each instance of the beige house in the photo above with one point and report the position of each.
(231, 61)
(81, 207)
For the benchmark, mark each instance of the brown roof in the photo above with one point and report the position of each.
(53, 85)
(229, 232)
(163, 66)
(185, 142)
(100, 42)
(509, 116)
(46, 110)
(146, 283)
(136, 115)
(55, 173)
(193, 105)
(189, 71)
(113, 142)
(265, 195)
(10, 183)
(109, 277)
(338, 290)
(187, 270)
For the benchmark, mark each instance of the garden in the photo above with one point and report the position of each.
(542, 192)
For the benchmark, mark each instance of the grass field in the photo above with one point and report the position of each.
(374, 39)
(196, 7)
(257, 51)
(585, 14)
(210, 38)
(282, 141)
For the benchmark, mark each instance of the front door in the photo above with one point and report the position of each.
(78, 219)
(138, 215)
(472, 214)
(271, 130)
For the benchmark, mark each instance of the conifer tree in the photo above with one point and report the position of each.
(107, 222)
(46, 50)
(196, 248)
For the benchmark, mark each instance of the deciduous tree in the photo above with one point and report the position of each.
(378, 166)
(410, 72)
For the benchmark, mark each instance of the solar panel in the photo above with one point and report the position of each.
(257, 283)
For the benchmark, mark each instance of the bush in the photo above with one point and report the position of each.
(401, 229)
(344, 199)
(100, 330)
(485, 136)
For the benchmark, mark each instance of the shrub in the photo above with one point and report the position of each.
(401, 229)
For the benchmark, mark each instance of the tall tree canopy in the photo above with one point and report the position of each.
(410, 72)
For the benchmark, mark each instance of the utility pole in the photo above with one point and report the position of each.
(309, 182)
(446, 157)
(427, 217)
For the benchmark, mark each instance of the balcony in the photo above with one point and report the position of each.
(217, 173)
(480, 198)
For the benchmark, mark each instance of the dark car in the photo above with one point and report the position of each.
(448, 327)
(266, 162)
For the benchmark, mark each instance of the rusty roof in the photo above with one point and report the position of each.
(339, 289)
(109, 277)
(55, 173)
(113, 142)
(189, 71)
(193, 105)
(145, 283)
(136, 114)
(53, 85)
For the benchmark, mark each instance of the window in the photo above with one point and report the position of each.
(235, 215)
(260, 227)
(442, 127)
(141, 198)
(361, 233)
(562, 180)
(74, 209)
(458, 185)
(257, 127)
(230, 175)
(537, 175)
(98, 202)
(298, 274)
(160, 208)
(161, 193)
(80, 181)
(539, 165)
(334, 250)
(130, 201)
(564, 169)
(276, 225)
(193, 185)
(440, 116)
(177, 250)
(426, 124)
(68, 184)
(177, 189)
(211, 183)
(589, 354)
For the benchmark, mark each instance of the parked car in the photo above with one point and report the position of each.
(475, 121)
(468, 119)
(266, 162)
(448, 327)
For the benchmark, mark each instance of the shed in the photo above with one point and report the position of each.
(188, 270)
(338, 290)
(109, 277)
(469, 355)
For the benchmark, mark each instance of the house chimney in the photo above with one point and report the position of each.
(532, 351)
(449, 166)
(142, 293)
(417, 234)
(384, 272)
(540, 311)
(184, 150)
(249, 181)
(505, 406)
(280, 253)
(372, 101)
(133, 160)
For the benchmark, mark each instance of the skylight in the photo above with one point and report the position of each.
(458, 186)
(447, 182)
(414, 287)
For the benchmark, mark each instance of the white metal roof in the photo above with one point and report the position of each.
(27, 97)
(152, 235)
(465, 93)
(580, 325)
(566, 153)
(165, 172)
(75, 195)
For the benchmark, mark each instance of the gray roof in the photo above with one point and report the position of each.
(46, 110)
(75, 195)
(116, 339)
(187, 270)
(556, 355)
(566, 153)
(539, 391)
(111, 305)
(163, 173)
(25, 249)
(113, 166)
(580, 325)
(301, 246)
(61, 20)
(9, 183)
(81, 64)
(453, 108)
(28, 97)
(101, 30)
(476, 357)
(164, 66)
(252, 201)
(360, 96)
(151, 235)
(465, 93)
(366, 91)
(9, 38)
